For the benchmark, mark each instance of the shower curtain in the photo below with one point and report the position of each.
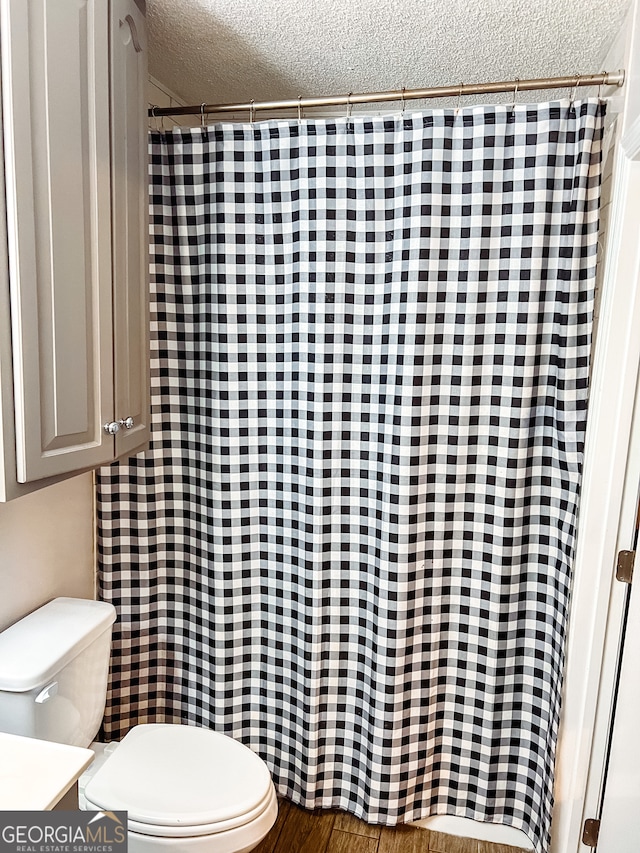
(350, 542)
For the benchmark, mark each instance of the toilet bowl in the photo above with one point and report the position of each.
(185, 789)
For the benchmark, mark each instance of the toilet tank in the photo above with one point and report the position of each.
(54, 665)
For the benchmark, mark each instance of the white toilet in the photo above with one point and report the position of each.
(186, 789)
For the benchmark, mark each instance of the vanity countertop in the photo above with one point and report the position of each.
(36, 774)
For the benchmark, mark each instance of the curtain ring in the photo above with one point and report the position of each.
(202, 115)
(604, 74)
(402, 100)
(349, 105)
(299, 109)
(252, 111)
(155, 118)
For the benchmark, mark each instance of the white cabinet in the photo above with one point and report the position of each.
(73, 302)
(130, 230)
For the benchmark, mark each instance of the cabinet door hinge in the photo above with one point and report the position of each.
(590, 832)
(624, 566)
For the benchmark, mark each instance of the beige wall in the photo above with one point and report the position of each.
(46, 547)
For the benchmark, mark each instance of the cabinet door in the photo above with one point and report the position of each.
(56, 131)
(130, 223)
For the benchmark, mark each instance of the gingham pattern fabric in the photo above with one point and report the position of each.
(350, 543)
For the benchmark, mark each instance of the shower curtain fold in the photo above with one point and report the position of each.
(350, 542)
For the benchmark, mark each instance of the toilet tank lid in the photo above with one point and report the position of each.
(36, 648)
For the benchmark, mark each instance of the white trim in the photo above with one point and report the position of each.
(631, 141)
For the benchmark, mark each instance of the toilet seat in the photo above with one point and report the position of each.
(180, 781)
(187, 831)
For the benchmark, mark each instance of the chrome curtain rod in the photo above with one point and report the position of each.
(615, 78)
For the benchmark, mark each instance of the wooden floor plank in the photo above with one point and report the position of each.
(348, 842)
(404, 839)
(441, 842)
(346, 822)
(305, 831)
(298, 830)
(270, 842)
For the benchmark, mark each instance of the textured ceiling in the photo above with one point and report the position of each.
(235, 50)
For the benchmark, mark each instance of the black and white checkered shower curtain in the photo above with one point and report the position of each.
(350, 543)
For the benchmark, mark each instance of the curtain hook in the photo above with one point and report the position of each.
(160, 126)
(299, 109)
(574, 91)
(155, 118)
(402, 100)
(349, 127)
(459, 97)
(202, 115)
(604, 77)
(252, 111)
(515, 93)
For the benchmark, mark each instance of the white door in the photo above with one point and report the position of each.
(620, 802)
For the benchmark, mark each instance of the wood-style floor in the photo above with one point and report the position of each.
(299, 831)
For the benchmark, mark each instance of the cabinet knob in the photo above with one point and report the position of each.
(112, 428)
(127, 423)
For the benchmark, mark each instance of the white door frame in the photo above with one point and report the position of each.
(620, 819)
(609, 496)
